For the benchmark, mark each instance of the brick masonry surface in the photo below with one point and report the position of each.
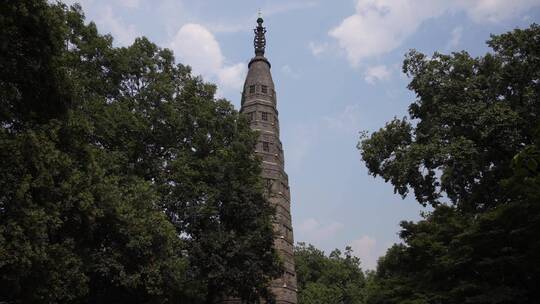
(260, 106)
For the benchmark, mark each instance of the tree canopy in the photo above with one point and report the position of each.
(123, 178)
(469, 148)
(336, 278)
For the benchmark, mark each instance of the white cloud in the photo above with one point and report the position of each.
(315, 232)
(124, 34)
(364, 248)
(317, 48)
(232, 76)
(347, 120)
(380, 26)
(287, 6)
(455, 37)
(289, 71)
(195, 45)
(129, 3)
(173, 14)
(377, 73)
(495, 10)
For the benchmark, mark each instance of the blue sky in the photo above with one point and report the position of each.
(337, 69)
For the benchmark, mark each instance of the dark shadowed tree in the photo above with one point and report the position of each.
(123, 178)
(470, 149)
(72, 228)
(322, 279)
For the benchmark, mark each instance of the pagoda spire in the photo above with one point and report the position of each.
(259, 105)
(259, 42)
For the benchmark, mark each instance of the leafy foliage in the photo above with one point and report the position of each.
(336, 278)
(123, 178)
(471, 142)
(470, 118)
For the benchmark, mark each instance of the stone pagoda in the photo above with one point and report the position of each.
(259, 105)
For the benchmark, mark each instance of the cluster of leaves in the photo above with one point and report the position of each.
(471, 151)
(322, 279)
(123, 179)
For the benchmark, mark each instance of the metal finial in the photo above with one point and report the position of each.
(260, 40)
(259, 14)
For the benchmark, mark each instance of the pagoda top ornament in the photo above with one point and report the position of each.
(259, 42)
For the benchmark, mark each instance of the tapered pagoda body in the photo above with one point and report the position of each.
(259, 104)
